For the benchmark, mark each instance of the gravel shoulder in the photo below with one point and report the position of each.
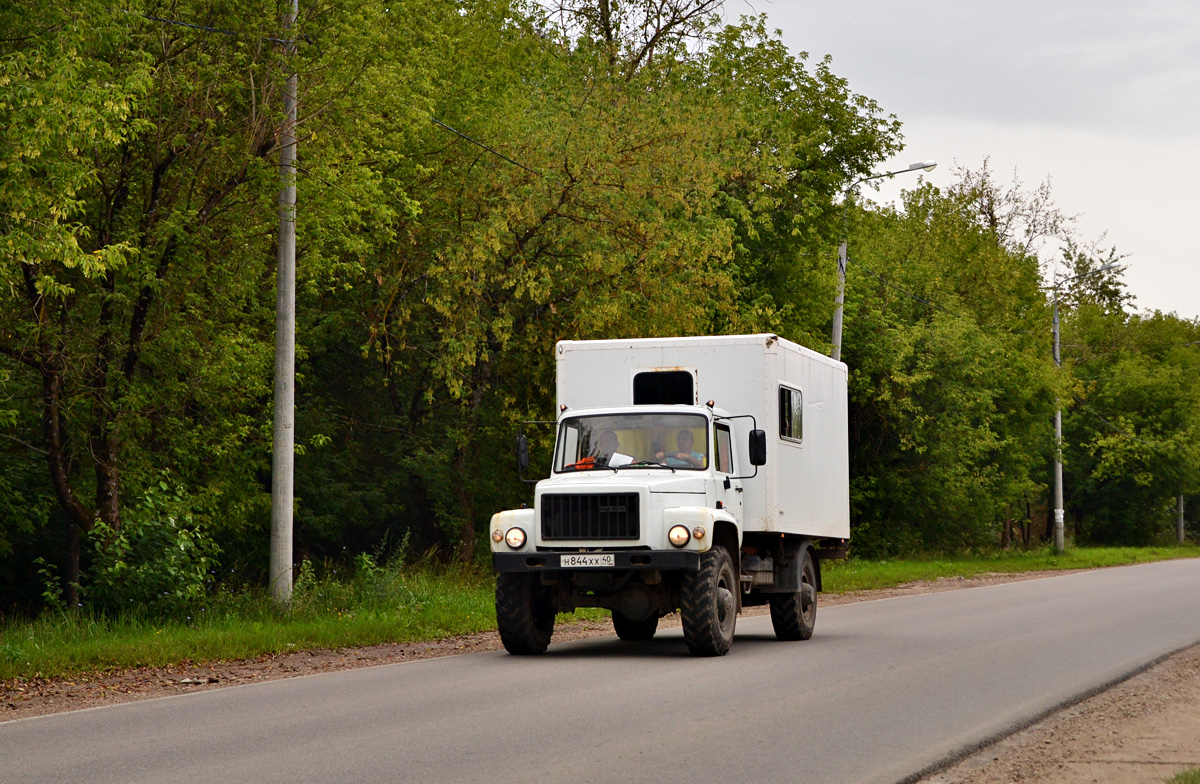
(1142, 730)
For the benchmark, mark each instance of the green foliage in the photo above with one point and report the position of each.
(52, 590)
(1133, 431)
(158, 563)
(950, 390)
(1185, 777)
(647, 174)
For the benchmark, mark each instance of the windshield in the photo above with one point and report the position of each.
(678, 441)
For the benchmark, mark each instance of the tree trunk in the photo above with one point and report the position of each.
(466, 545)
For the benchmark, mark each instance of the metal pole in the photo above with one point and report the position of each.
(1058, 480)
(841, 299)
(284, 443)
(842, 257)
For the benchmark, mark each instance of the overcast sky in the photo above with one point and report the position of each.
(1102, 97)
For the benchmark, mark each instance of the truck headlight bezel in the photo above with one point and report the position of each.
(679, 535)
(515, 538)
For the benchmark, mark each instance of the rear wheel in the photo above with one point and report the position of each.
(709, 604)
(634, 631)
(794, 615)
(524, 613)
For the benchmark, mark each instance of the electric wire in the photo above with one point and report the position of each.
(193, 26)
(484, 146)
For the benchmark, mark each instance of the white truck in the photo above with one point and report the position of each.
(701, 474)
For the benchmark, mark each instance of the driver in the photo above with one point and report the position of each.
(686, 457)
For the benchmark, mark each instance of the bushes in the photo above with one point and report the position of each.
(158, 562)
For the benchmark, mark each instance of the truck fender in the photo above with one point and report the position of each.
(511, 518)
(718, 525)
(787, 577)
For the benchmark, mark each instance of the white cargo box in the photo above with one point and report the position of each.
(804, 487)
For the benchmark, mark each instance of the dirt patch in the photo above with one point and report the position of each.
(1143, 730)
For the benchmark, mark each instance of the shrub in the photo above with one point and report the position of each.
(157, 562)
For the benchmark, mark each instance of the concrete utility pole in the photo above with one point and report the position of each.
(1179, 520)
(284, 443)
(1059, 536)
(842, 252)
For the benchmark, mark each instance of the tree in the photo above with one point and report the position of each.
(950, 384)
(1135, 422)
(137, 188)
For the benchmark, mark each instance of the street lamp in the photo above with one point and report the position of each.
(1058, 482)
(841, 291)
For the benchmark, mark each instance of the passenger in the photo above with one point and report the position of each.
(607, 454)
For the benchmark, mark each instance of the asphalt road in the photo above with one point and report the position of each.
(885, 690)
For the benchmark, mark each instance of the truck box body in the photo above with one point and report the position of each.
(804, 487)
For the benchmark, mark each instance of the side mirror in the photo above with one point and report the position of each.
(522, 455)
(758, 447)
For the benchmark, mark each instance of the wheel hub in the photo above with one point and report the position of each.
(724, 604)
(808, 597)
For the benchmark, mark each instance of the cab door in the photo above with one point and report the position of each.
(728, 490)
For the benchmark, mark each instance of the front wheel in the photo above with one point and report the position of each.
(524, 613)
(794, 615)
(709, 604)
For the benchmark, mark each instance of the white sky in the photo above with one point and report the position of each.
(1101, 96)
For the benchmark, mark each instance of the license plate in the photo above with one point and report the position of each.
(586, 559)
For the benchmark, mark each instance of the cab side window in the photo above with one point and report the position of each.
(724, 450)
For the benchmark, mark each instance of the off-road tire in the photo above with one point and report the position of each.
(709, 604)
(524, 613)
(634, 631)
(794, 615)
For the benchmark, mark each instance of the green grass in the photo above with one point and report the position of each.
(387, 606)
(856, 575)
(405, 604)
(1185, 777)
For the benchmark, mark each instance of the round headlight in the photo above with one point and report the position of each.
(679, 535)
(515, 538)
(698, 532)
(497, 536)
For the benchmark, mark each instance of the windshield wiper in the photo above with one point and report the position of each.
(649, 464)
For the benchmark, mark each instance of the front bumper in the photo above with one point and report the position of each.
(666, 560)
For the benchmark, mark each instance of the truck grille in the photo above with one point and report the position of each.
(605, 516)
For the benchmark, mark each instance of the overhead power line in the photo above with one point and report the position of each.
(484, 146)
(205, 28)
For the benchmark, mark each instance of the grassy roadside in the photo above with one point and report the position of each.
(404, 604)
(855, 575)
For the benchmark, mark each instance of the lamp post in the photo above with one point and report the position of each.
(1058, 482)
(842, 258)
